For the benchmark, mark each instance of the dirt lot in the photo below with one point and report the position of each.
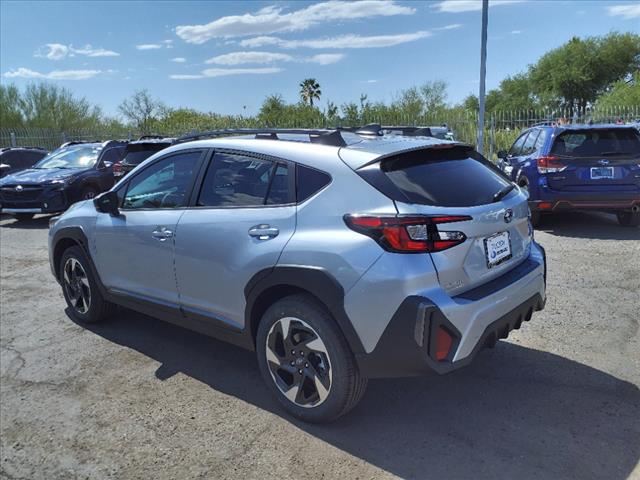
(137, 398)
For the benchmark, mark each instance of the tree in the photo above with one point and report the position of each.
(141, 110)
(624, 93)
(434, 95)
(574, 74)
(10, 111)
(310, 90)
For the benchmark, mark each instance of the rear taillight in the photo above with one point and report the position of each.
(409, 234)
(550, 165)
(117, 169)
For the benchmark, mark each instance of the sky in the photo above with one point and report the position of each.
(226, 57)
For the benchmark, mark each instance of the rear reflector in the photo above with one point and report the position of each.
(443, 344)
(409, 234)
(545, 205)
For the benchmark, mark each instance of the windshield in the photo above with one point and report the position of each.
(80, 156)
(597, 142)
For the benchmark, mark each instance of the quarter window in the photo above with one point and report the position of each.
(310, 181)
(164, 184)
(234, 180)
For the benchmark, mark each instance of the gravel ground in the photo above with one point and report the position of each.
(137, 398)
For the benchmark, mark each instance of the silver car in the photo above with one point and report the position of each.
(336, 256)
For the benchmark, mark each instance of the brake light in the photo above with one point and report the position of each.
(117, 168)
(550, 164)
(409, 234)
(443, 344)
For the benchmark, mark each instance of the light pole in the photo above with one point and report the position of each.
(483, 73)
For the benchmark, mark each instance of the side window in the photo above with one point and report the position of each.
(112, 155)
(234, 180)
(528, 146)
(516, 149)
(309, 181)
(540, 141)
(165, 184)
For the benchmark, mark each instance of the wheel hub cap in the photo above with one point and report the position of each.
(76, 285)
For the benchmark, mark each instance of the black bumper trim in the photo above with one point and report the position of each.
(400, 354)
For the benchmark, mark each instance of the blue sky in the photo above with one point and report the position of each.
(227, 56)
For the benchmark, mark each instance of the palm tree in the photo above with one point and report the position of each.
(310, 90)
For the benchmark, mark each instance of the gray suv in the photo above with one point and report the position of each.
(336, 256)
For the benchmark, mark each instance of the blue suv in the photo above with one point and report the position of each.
(578, 167)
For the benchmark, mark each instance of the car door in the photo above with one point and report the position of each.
(240, 222)
(134, 250)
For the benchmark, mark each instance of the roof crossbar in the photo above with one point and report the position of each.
(320, 136)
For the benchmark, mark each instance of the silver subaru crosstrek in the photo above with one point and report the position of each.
(337, 256)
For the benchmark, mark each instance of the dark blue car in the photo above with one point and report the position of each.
(75, 171)
(578, 167)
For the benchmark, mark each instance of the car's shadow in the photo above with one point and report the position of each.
(513, 413)
(593, 225)
(36, 223)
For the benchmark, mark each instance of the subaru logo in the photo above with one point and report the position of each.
(508, 215)
(19, 188)
(604, 161)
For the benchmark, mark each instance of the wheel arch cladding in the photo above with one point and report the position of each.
(272, 284)
(64, 239)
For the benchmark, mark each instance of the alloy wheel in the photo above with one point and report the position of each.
(298, 362)
(76, 285)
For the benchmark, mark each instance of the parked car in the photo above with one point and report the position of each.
(13, 159)
(75, 171)
(138, 151)
(578, 167)
(336, 257)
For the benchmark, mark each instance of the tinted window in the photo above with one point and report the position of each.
(452, 177)
(112, 155)
(597, 142)
(516, 149)
(165, 184)
(309, 181)
(138, 153)
(540, 141)
(234, 180)
(528, 146)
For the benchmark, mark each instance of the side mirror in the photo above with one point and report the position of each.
(107, 203)
(502, 154)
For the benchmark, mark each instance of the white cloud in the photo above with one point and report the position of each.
(325, 58)
(223, 72)
(58, 51)
(238, 58)
(53, 75)
(515, 32)
(272, 19)
(343, 41)
(149, 46)
(179, 60)
(625, 11)
(458, 6)
(370, 81)
(453, 26)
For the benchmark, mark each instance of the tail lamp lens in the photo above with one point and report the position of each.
(444, 341)
(550, 164)
(409, 234)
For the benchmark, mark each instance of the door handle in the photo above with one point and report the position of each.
(263, 232)
(162, 233)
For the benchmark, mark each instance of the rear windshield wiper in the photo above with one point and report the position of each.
(503, 193)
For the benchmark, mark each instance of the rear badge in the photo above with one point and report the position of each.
(508, 215)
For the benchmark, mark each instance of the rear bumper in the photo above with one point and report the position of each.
(554, 200)
(475, 319)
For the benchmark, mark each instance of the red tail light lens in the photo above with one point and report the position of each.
(409, 234)
(550, 165)
(443, 344)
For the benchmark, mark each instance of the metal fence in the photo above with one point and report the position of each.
(501, 128)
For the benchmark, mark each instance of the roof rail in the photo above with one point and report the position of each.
(79, 142)
(376, 129)
(148, 137)
(319, 136)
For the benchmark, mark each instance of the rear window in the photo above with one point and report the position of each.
(136, 154)
(451, 177)
(597, 143)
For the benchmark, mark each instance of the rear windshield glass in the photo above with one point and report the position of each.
(451, 177)
(597, 143)
(136, 154)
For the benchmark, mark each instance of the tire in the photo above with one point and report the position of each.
(628, 219)
(330, 384)
(89, 192)
(80, 288)
(22, 217)
(536, 218)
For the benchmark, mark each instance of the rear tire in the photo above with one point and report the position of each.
(306, 361)
(628, 219)
(80, 288)
(22, 217)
